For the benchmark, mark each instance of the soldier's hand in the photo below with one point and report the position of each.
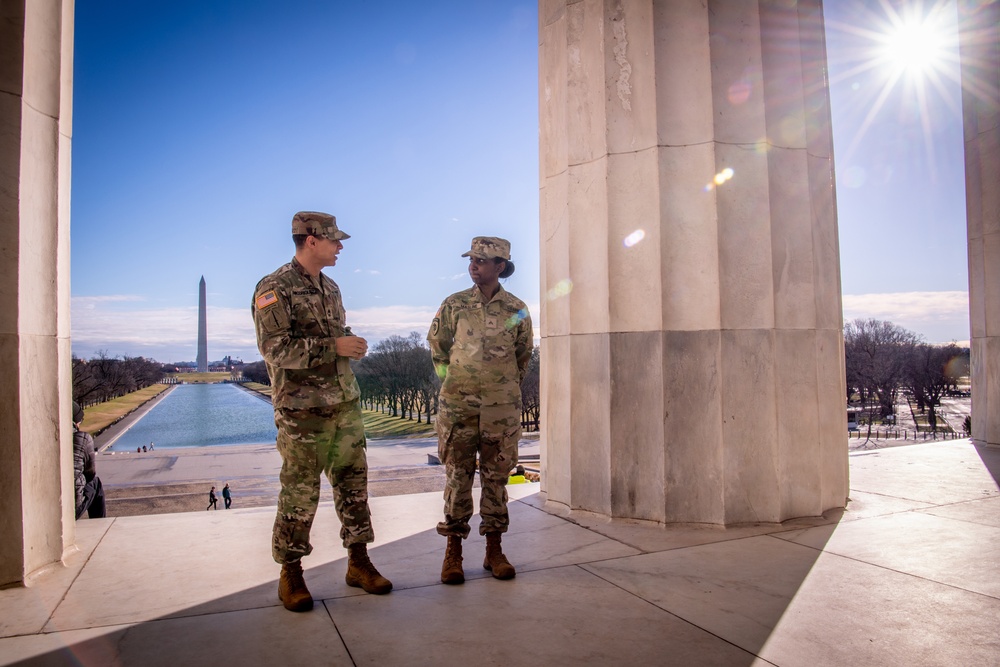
(354, 347)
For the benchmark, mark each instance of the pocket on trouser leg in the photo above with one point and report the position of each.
(290, 539)
(501, 431)
(444, 428)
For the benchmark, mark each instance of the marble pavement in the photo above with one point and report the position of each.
(908, 574)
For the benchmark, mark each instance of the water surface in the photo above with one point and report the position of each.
(202, 415)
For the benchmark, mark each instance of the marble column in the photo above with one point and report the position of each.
(36, 482)
(979, 27)
(692, 335)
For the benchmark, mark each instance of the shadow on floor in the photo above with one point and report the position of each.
(585, 594)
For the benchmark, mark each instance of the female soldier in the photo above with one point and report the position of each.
(481, 342)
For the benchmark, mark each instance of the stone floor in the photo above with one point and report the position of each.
(909, 575)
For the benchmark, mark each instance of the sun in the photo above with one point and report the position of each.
(903, 56)
(916, 45)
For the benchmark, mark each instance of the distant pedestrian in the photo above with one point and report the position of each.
(150, 445)
(138, 450)
(144, 448)
(89, 490)
(227, 496)
(212, 500)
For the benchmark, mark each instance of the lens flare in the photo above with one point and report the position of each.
(720, 178)
(516, 318)
(560, 289)
(739, 92)
(634, 238)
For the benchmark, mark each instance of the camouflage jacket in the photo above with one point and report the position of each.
(297, 318)
(481, 350)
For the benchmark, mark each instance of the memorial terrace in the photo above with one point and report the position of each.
(908, 574)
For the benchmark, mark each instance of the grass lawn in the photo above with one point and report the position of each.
(382, 425)
(377, 424)
(98, 417)
(258, 387)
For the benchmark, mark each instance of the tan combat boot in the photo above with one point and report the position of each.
(362, 574)
(292, 589)
(495, 561)
(451, 569)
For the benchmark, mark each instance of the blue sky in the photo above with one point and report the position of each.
(201, 127)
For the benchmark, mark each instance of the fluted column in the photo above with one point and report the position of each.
(979, 26)
(691, 321)
(36, 481)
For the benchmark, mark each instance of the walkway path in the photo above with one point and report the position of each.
(178, 480)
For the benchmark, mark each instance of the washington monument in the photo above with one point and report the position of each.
(202, 329)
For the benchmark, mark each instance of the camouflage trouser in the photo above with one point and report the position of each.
(492, 432)
(327, 440)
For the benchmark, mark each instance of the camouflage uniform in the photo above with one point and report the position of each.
(316, 407)
(481, 351)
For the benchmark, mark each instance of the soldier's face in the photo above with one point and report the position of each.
(326, 250)
(484, 271)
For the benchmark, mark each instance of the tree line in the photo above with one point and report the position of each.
(882, 359)
(397, 376)
(103, 378)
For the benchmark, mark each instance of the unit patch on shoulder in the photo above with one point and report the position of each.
(268, 298)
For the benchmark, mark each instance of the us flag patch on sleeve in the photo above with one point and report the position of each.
(268, 298)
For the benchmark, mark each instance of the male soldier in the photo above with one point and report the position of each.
(306, 344)
(481, 341)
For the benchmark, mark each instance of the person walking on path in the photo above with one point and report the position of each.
(481, 341)
(213, 502)
(227, 496)
(88, 487)
(303, 336)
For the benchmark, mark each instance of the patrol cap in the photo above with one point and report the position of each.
(317, 224)
(489, 247)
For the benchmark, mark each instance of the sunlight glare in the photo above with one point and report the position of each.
(915, 46)
(903, 59)
(561, 289)
(719, 179)
(634, 238)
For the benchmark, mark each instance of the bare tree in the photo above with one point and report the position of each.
(930, 372)
(256, 372)
(531, 404)
(104, 377)
(86, 384)
(398, 372)
(876, 355)
(381, 369)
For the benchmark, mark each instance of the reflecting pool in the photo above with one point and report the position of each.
(200, 415)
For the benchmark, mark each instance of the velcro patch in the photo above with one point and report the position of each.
(268, 298)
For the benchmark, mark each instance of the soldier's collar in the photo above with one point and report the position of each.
(478, 294)
(297, 265)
